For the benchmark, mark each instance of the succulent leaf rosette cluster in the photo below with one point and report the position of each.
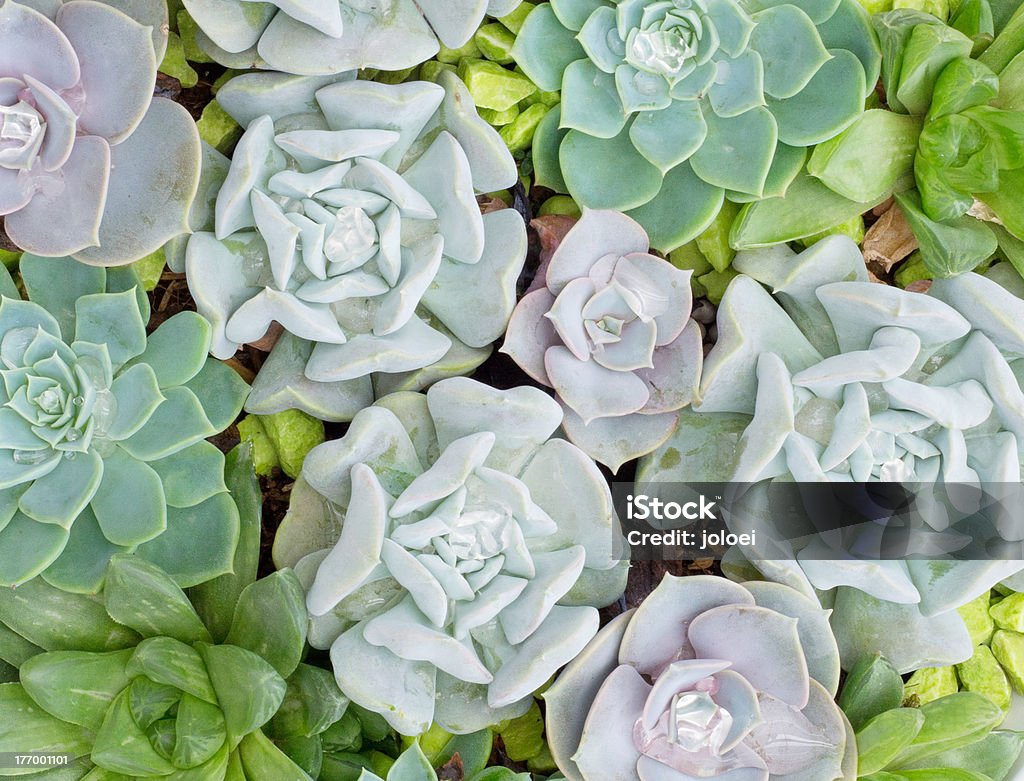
(349, 217)
(706, 679)
(454, 555)
(324, 37)
(670, 106)
(610, 330)
(138, 686)
(78, 124)
(852, 380)
(103, 429)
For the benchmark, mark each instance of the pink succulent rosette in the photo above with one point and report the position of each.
(610, 331)
(707, 679)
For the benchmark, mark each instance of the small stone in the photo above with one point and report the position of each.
(499, 118)
(495, 42)
(715, 283)
(293, 434)
(931, 683)
(559, 204)
(1008, 649)
(514, 21)
(983, 674)
(493, 86)
(454, 56)
(976, 617)
(1008, 613)
(518, 134)
(217, 128)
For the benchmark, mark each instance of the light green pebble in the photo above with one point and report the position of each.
(983, 674)
(560, 204)
(876, 6)
(431, 69)
(9, 258)
(493, 86)
(293, 434)
(217, 128)
(549, 99)
(264, 455)
(912, 269)
(150, 269)
(1008, 613)
(495, 42)
(931, 683)
(1008, 649)
(175, 63)
(454, 56)
(498, 118)
(715, 283)
(938, 8)
(690, 257)
(518, 134)
(979, 623)
(514, 20)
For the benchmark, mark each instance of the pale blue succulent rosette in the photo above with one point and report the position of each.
(706, 679)
(322, 37)
(348, 215)
(79, 124)
(453, 554)
(845, 379)
(103, 432)
(610, 330)
(670, 106)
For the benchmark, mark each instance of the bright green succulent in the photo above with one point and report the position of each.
(144, 682)
(670, 106)
(147, 691)
(952, 737)
(103, 429)
(953, 144)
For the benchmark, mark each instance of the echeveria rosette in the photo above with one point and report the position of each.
(706, 679)
(670, 106)
(844, 379)
(324, 37)
(78, 125)
(453, 553)
(609, 329)
(102, 431)
(349, 216)
(137, 686)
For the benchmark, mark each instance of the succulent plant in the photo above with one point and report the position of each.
(453, 555)
(949, 737)
(325, 37)
(102, 431)
(413, 765)
(137, 684)
(669, 106)
(78, 124)
(349, 216)
(846, 379)
(706, 679)
(956, 131)
(609, 329)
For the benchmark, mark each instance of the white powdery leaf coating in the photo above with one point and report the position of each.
(849, 380)
(700, 682)
(355, 226)
(451, 570)
(318, 37)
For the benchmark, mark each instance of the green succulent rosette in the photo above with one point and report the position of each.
(144, 681)
(103, 432)
(952, 737)
(671, 106)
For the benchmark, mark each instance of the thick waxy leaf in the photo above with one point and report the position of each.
(544, 48)
(121, 746)
(76, 686)
(141, 596)
(27, 727)
(270, 620)
(949, 723)
(249, 691)
(947, 249)
(872, 687)
(129, 504)
(173, 663)
(113, 320)
(885, 736)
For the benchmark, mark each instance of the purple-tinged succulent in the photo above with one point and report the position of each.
(78, 129)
